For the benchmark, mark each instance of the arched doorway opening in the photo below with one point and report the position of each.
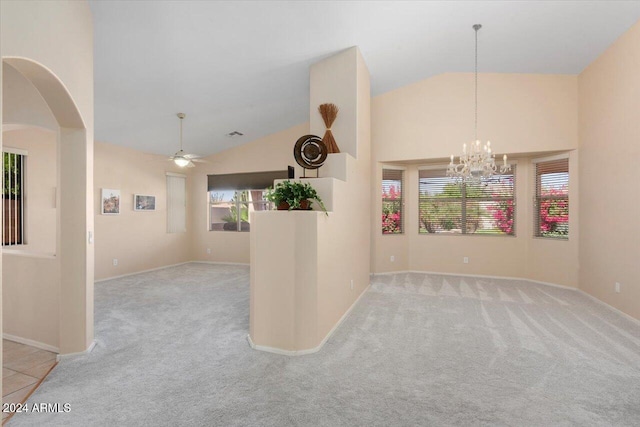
(71, 267)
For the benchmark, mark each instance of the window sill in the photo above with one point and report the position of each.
(27, 253)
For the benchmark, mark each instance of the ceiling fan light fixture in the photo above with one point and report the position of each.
(180, 161)
(179, 158)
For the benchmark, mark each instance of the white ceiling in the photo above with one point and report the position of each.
(244, 65)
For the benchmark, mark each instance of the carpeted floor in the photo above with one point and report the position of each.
(417, 350)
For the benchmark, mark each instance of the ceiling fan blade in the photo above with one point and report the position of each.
(191, 165)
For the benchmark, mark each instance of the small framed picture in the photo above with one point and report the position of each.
(110, 202)
(144, 203)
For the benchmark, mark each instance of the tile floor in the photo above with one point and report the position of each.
(23, 367)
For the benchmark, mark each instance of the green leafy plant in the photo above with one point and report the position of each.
(294, 193)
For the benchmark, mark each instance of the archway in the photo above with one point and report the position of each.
(74, 201)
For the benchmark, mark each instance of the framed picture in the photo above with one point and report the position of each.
(110, 202)
(144, 203)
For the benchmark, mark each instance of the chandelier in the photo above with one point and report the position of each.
(477, 162)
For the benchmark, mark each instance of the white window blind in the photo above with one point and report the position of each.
(446, 207)
(176, 204)
(392, 201)
(551, 210)
(13, 169)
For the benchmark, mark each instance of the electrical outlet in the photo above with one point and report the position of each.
(209, 251)
(115, 262)
(392, 258)
(465, 260)
(617, 287)
(351, 284)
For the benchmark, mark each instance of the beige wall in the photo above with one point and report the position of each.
(25, 105)
(137, 239)
(40, 191)
(62, 71)
(609, 205)
(30, 304)
(525, 116)
(519, 113)
(273, 152)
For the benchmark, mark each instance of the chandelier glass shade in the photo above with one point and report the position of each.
(477, 162)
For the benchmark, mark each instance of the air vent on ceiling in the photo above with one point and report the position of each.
(234, 134)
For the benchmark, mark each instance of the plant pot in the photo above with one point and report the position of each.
(283, 206)
(305, 205)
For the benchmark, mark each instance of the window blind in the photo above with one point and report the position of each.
(392, 201)
(176, 204)
(446, 207)
(551, 208)
(248, 180)
(13, 198)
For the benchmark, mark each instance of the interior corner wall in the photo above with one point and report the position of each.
(272, 152)
(609, 126)
(137, 239)
(525, 116)
(344, 267)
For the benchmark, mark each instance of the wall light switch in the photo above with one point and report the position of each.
(209, 250)
(617, 287)
(465, 260)
(115, 262)
(392, 258)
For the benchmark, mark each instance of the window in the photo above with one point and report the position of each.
(447, 207)
(176, 203)
(13, 169)
(552, 199)
(392, 201)
(229, 210)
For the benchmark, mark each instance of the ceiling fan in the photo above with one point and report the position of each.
(182, 159)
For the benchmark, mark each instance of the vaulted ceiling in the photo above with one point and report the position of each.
(243, 66)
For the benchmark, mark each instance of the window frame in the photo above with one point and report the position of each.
(238, 205)
(464, 202)
(537, 199)
(19, 237)
(403, 172)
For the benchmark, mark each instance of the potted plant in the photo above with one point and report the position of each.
(288, 195)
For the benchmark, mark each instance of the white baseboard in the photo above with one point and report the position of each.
(141, 272)
(32, 343)
(388, 273)
(310, 350)
(599, 301)
(79, 353)
(538, 282)
(246, 264)
(168, 266)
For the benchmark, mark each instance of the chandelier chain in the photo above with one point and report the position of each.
(477, 162)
